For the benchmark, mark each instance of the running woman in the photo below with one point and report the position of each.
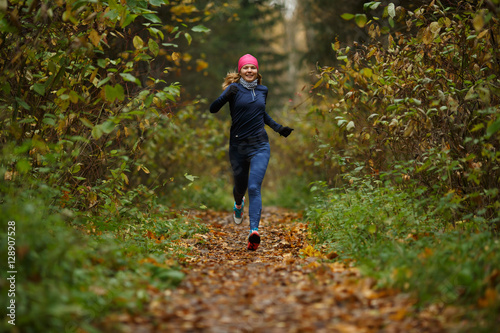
(249, 150)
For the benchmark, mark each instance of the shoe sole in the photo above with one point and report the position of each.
(253, 241)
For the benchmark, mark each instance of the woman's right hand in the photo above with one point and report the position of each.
(231, 91)
(285, 131)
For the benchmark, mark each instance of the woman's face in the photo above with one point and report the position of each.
(249, 72)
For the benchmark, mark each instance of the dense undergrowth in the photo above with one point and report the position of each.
(402, 240)
(73, 275)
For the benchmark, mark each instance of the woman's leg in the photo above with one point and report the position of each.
(240, 166)
(258, 167)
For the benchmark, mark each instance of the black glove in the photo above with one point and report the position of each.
(233, 89)
(285, 131)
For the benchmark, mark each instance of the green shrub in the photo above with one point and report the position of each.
(67, 279)
(355, 217)
(399, 237)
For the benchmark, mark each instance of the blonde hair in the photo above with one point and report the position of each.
(233, 77)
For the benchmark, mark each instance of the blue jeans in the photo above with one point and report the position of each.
(249, 164)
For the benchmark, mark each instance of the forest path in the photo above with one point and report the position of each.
(274, 289)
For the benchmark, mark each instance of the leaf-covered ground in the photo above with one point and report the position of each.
(282, 287)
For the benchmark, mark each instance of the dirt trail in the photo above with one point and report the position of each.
(230, 289)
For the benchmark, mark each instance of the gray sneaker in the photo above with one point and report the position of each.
(238, 212)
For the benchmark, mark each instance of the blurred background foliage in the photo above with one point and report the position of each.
(105, 130)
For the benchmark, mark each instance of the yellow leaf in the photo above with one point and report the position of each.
(124, 177)
(427, 36)
(427, 253)
(317, 84)
(95, 38)
(489, 299)
(183, 9)
(371, 53)
(310, 251)
(434, 27)
(478, 22)
(336, 45)
(138, 42)
(143, 168)
(201, 65)
(367, 72)
(399, 315)
(92, 77)
(176, 56)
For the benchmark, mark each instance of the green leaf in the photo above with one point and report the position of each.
(361, 20)
(23, 103)
(477, 127)
(128, 19)
(104, 128)
(112, 15)
(155, 32)
(130, 78)
(493, 128)
(97, 132)
(23, 165)
(103, 81)
(371, 5)
(157, 2)
(113, 93)
(153, 47)
(75, 168)
(6, 88)
(5, 27)
(152, 17)
(200, 28)
(39, 88)
(101, 63)
(86, 122)
(471, 94)
(49, 121)
(347, 16)
(188, 38)
(391, 10)
(191, 178)
(108, 126)
(124, 177)
(149, 100)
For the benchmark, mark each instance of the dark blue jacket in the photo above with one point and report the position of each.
(248, 114)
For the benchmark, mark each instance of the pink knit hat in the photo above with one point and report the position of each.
(247, 59)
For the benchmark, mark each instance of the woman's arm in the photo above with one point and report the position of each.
(271, 123)
(223, 98)
(267, 118)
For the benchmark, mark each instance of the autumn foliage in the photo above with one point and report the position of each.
(421, 102)
(100, 154)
